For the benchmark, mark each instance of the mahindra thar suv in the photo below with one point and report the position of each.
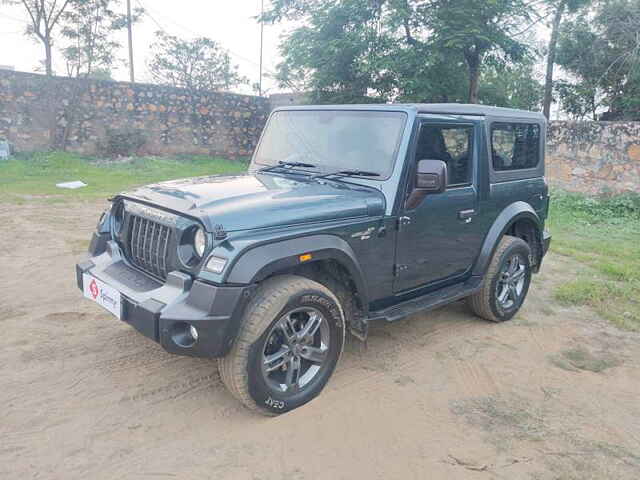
(347, 215)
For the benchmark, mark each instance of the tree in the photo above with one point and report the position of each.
(477, 29)
(558, 8)
(388, 49)
(339, 55)
(44, 16)
(88, 28)
(199, 64)
(601, 53)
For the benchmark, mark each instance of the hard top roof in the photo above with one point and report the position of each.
(439, 108)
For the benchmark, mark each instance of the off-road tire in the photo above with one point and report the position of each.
(484, 302)
(238, 369)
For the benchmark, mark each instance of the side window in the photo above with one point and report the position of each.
(515, 146)
(453, 144)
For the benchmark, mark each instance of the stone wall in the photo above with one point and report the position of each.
(594, 157)
(78, 114)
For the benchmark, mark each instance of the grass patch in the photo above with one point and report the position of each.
(502, 419)
(34, 176)
(576, 359)
(603, 233)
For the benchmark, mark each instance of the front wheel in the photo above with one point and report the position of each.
(506, 282)
(289, 343)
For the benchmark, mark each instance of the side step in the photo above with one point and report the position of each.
(427, 302)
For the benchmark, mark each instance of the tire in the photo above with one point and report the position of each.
(486, 302)
(273, 326)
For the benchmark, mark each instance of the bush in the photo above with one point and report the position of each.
(603, 208)
(122, 142)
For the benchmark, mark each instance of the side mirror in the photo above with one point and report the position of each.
(431, 176)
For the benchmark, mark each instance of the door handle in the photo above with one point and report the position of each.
(466, 214)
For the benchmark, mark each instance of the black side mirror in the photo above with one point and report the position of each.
(431, 176)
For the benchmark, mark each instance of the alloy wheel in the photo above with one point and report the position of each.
(511, 281)
(296, 350)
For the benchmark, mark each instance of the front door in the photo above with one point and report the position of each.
(438, 239)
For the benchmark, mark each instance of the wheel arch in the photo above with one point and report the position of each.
(279, 257)
(518, 219)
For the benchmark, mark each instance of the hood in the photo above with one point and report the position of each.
(261, 200)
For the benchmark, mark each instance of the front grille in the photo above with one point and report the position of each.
(148, 245)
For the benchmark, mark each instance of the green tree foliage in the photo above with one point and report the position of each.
(89, 29)
(199, 64)
(601, 52)
(478, 29)
(407, 50)
(511, 85)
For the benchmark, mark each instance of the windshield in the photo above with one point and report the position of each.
(333, 140)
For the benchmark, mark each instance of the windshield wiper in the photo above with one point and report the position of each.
(282, 164)
(348, 173)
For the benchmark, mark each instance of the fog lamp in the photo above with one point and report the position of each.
(194, 333)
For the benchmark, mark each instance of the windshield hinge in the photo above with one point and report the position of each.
(398, 269)
(403, 221)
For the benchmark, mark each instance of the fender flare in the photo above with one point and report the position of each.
(264, 260)
(511, 214)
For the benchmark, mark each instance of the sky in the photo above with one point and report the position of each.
(229, 22)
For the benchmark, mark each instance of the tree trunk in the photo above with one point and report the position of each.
(473, 62)
(48, 61)
(551, 59)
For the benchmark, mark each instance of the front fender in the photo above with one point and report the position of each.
(511, 214)
(264, 260)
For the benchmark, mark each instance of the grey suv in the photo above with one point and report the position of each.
(348, 215)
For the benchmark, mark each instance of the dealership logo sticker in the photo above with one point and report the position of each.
(94, 289)
(103, 294)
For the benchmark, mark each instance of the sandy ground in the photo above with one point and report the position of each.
(552, 394)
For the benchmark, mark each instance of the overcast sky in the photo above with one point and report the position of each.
(229, 22)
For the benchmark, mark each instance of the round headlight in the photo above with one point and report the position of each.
(199, 242)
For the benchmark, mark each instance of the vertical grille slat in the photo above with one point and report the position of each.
(148, 244)
(134, 251)
(163, 257)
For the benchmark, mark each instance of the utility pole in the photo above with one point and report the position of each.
(261, 42)
(131, 75)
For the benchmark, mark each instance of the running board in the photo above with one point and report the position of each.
(427, 302)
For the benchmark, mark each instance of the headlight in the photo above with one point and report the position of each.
(216, 264)
(199, 242)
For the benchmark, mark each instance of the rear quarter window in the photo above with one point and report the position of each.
(515, 146)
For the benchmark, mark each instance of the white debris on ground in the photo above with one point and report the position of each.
(72, 185)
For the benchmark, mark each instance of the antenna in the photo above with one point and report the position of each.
(261, 43)
(131, 75)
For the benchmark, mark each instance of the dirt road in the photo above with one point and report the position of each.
(552, 394)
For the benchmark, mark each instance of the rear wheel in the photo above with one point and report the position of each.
(506, 282)
(288, 345)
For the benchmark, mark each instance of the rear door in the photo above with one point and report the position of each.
(438, 237)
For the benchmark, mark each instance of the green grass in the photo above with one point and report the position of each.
(602, 233)
(579, 358)
(34, 176)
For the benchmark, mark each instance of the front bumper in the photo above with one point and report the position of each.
(162, 312)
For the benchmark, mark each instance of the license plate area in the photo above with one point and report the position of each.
(103, 294)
